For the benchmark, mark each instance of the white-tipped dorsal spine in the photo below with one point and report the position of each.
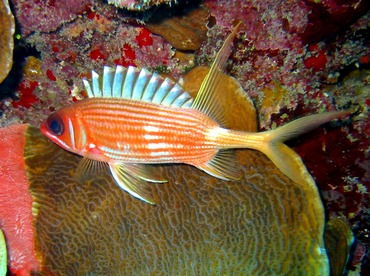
(135, 84)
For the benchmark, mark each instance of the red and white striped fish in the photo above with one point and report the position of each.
(133, 118)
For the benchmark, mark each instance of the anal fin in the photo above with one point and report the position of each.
(224, 166)
(135, 185)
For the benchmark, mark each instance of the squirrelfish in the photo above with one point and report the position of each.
(133, 118)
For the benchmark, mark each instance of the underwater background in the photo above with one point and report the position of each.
(292, 58)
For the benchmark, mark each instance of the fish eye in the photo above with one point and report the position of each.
(55, 124)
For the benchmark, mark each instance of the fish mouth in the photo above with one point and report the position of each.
(44, 129)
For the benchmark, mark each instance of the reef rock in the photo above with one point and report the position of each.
(139, 5)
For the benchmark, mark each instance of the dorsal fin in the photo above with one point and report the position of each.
(135, 84)
(205, 100)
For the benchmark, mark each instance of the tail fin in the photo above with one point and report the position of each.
(286, 159)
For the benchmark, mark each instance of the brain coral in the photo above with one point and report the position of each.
(201, 225)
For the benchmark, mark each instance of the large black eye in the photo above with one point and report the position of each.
(55, 124)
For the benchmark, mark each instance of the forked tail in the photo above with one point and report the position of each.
(286, 159)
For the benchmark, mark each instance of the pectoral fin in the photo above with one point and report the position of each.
(88, 167)
(224, 166)
(131, 183)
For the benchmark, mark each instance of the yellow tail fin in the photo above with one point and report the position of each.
(286, 159)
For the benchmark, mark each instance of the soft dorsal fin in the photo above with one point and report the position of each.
(205, 100)
(135, 84)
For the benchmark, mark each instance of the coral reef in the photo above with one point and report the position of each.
(292, 58)
(208, 216)
(199, 221)
(276, 50)
(47, 15)
(6, 39)
(294, 71)
(75, 49)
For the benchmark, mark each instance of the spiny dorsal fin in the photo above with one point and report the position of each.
(206, 101)
(135, 84)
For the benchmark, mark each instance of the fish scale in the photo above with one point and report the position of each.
(180, 131)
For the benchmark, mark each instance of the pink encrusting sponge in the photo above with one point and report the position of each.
(16, 201)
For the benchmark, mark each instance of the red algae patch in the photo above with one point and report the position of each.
(26, 95)
(16, 202)
(318, 62)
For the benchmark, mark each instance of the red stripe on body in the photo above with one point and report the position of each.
(141, 132)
